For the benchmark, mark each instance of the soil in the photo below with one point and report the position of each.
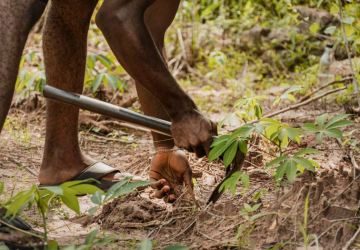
(334, 192)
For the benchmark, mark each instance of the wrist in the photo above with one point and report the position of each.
(180, 109)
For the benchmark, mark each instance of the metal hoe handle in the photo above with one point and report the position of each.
(107, 109)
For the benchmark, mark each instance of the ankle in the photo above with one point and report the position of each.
(161, 149)
(57, 168)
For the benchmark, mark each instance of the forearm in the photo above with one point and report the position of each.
(135, 49)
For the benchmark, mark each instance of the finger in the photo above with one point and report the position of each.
(199, 151)
(158, 194)
(158, 184)
(184, 144)
(171, 198)
(166, 189)
(188, 180)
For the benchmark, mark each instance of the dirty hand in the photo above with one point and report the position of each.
(169, 170)
(193, 132)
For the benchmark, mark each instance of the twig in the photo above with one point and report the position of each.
(355, 82)
(344, 80)
(356, 167)
(295, 106)
(192, 223)
(323, 233)
(300, 104)
(351, 241)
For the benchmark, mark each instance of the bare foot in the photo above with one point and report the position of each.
(170, 169)
(61, 169)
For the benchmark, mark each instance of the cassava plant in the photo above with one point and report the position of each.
(287, 156)
(67, 193)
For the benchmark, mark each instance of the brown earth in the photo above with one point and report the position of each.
(333, 195)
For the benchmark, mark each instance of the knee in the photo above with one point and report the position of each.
(110, 16)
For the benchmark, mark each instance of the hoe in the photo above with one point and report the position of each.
(132, 118)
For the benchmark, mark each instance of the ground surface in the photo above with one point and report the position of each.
(279, 220)
(333, 194)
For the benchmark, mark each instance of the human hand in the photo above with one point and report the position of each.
(169, 170)
(193, 132)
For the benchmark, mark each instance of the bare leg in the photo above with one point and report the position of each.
(158, 18)
(64, 45)
(135, 31)
(16, 20)
(123, 24)
(166, 164)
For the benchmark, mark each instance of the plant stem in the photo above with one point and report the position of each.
(344, 80)
(300, 104)
(45, 228)
(348, 51)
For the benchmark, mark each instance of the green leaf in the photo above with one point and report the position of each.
(71, 201)
(248, 208)
(243, 147)
(244, 131)
(70, 184)
(245, 180)
(43, 205)
(348, 20)
(258, 111)
(320, 120)
(276, 161)
(97, 82)
(305, 163)
(335, 133)
(146, 245)
(280, 171)
(20, 200)
(220, 139)
(176, 247)
(292, 133)
(330, 30)
(115, 82)
(83, 189)
(53, 189)
(3, 247)
(339, 124)
(310, 127)
(104, 61)
(98, 198)
(128, 187)
(217, 151)
(314, 28)
(291, 170)
(337, 118)
(52, 245)
(319, 137)
(231, 183)
(1, 187)
(230, 153)
(90, 238)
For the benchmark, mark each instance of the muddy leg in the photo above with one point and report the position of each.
(16, 20)
(64, 45)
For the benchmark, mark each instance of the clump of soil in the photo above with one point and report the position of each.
(128, 212)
